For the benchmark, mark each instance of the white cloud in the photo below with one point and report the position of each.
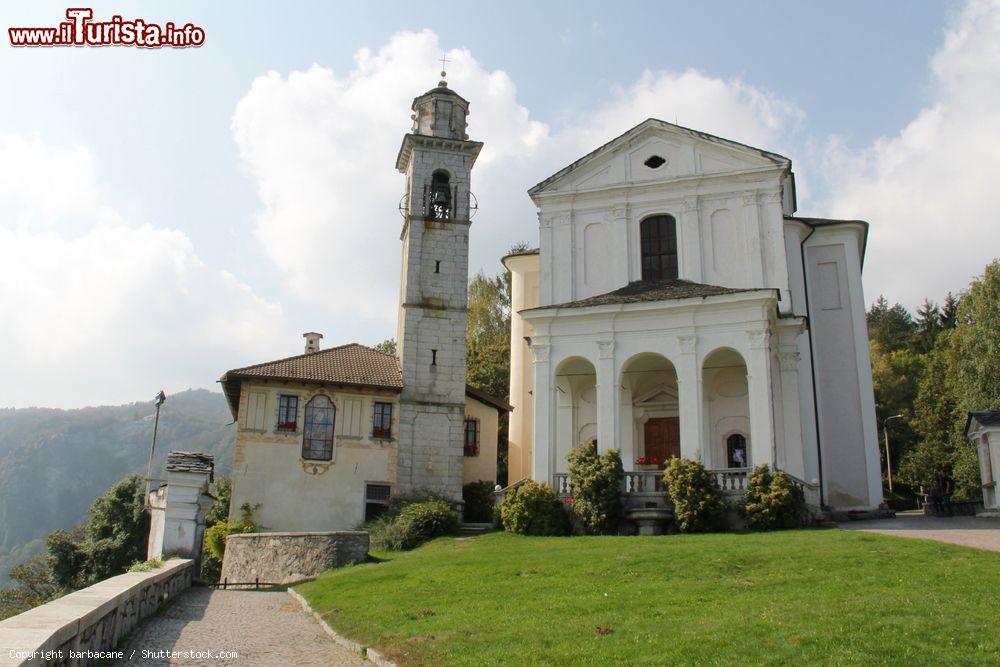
(930, 193)
(99, 311)
(321, 147)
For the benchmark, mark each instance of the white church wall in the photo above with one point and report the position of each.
(850, 461)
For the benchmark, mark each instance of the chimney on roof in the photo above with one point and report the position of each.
(312, 341)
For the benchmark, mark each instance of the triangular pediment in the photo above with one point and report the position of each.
(659, 395)
(654, 151)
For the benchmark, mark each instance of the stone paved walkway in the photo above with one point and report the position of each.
(969, 531)
(261, 627)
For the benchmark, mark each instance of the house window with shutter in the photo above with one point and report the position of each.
(472, 437)
(288, 412)
(381, 420)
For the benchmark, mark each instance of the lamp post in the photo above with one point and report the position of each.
(888, 457)
(158, 400)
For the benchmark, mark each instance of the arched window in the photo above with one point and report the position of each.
(736, 451)
(317, 437)
(440, 207)
(658, 236)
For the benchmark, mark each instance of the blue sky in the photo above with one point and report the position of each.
(165, 165)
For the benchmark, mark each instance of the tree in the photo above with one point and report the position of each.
(33, 586)
(896, 377)
(892, 326)
(388, 346)
(928, 325)
(949, 311)
(117, 529)
(936, 417)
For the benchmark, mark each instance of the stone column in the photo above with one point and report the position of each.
(773, 232)
(543, 447)
(759, 385)
(689, 399)
(691, 239)
(607, 396)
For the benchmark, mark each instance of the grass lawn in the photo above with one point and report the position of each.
(805, 596)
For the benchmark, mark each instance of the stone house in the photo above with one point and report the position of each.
(318, 437)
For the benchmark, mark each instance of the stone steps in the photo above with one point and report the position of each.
(467, 528)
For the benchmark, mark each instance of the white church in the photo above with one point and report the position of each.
(675, 306)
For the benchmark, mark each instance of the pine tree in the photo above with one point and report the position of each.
(928, 325)
(949, 311)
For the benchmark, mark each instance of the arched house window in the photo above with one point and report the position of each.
(736, 451)
(317, 436)
(658, 238)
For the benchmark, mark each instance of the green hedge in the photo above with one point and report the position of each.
(772, 501)
(413, 525)
(533, 509)
(596, 483)
(698, 504)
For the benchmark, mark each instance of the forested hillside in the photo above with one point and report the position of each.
(54, 463)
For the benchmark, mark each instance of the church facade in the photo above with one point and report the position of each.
(676, 306)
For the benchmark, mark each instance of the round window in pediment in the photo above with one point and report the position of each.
(655, 162)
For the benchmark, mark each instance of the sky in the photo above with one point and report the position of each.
(168, 214)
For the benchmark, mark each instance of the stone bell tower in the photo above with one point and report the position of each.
(437, 158)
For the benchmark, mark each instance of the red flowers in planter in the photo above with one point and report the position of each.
(286, 426)
(648, 461)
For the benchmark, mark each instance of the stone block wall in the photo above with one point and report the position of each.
(93, 619)
(283, 558)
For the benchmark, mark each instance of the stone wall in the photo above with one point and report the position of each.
(283, 558)
(93, 619)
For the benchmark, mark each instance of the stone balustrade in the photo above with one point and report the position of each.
(78, 628)
(650, 482)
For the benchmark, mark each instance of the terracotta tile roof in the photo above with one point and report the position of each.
(641, 291)
(351, 365)
(487, 399)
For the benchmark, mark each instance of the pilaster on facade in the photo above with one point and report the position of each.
(690, 234)
(751, 216)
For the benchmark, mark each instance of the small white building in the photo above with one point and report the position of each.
(983, 428)
(676, 306)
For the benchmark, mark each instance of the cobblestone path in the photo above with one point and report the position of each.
(234, 628)
(969, 531)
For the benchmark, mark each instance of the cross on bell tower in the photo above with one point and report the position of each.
(436, 158)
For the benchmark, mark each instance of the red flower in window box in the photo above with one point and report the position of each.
(649, 463)
(287, 426)
(471, 450)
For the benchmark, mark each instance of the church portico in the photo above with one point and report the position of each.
(697, 384)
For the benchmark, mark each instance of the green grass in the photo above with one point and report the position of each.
(802, 597)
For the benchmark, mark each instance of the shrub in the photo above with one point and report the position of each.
(413, 525)
(534, 509)
(478, 497)
(596, 482)
(698, 504)
(772, 501)
(215, 537)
